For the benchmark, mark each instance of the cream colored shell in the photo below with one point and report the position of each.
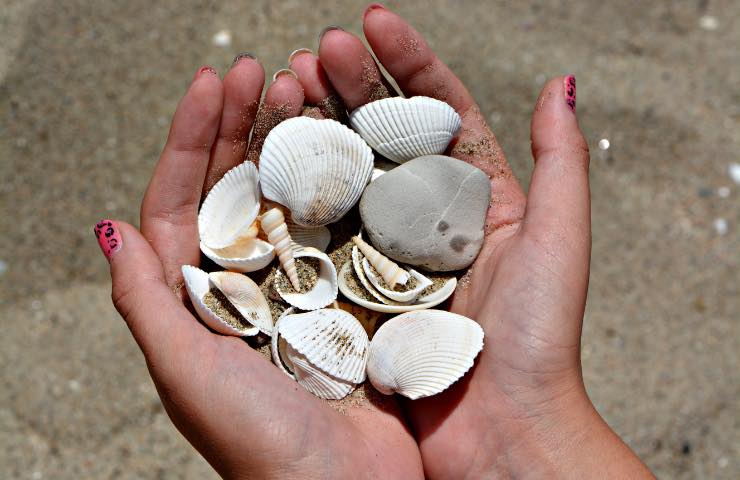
(273, 224)
(246, 296)
(323, 293)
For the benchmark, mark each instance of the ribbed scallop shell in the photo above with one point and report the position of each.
(246, 296)
(402, 129)
(332, 340)
(315, 237)
(323, 293)
(315, 381)
(318, 169)
(197, 285)
(419, 354)
(230, 208)
(407, 296)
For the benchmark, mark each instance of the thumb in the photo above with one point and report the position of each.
(159, 322)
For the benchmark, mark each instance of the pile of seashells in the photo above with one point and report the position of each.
(311, 173)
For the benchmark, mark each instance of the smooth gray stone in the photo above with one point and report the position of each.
(428, 212)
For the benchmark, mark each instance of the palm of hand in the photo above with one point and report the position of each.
(527, 288)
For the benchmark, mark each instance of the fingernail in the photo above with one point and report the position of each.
(242, 56)
(284, 71)
(372, 6)
(297, 52)
(207, 69)
(328, 29)
(570, 92)
(109, 237)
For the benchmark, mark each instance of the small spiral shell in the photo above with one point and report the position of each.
(390, 271)
(273, 223)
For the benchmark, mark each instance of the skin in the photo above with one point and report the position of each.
(522, 410)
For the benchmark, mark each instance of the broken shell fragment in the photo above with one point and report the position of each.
(316, 168)
(324, 290)
(401, 129)
(273, 223)
(419, 354)
(246, 296)
(389, 270)
(402, 296)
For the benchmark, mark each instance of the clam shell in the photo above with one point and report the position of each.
(401, 297)
(316, 168)
(333, 340)
(315, 237)
(401, 129)
(197, 284)
(322, 294)
(230, 208)
(246, 296)
(247, 255)
(419, 354)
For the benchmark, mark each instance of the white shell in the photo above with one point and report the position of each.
(401, 129)
(387, 268)
(357, 259)
(419, 354)
(273, 224)
(230, 208)
(323, 293)
(246, 296)
(316, 237)
(318, 169)
(197, 285)
(314, 380)
(248, 255)
(402, 297)
(425, 302)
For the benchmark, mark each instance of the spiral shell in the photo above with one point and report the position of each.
(389, 270)
(323, 293)
(273, 223)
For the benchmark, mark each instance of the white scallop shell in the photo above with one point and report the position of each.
(323, 293)
(401, 297)
(405, 128)
(318, 169)
(419, 354)
(316, 237)
(230, 208)
(197, 285)
(246, 296)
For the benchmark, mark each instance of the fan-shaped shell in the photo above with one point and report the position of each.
(405, 128)
(323, 293)
(197, 285)
(315, 237)
(246, 296)
(419, 354)
(316, 168)
(331, 339)
(407, 296)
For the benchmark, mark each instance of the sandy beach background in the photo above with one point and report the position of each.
(87, 89)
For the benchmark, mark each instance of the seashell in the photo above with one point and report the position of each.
(389, 270)
(316, 168)
(226, 222)
(401, 129)
(325, 350)
(323, 292)
(419, 354)
(407, 296)
(357, 259)
(316, 237)
(273, 223)
(246, 296)
(197, 284)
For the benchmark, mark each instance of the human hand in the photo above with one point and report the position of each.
(244, 416)
(523, 409)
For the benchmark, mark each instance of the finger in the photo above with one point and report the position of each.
(405, 54)
(160, 323)
(242, 91)
(169, 210)
(316, 87)
(351, 68)
(283, 100)
(558, 215)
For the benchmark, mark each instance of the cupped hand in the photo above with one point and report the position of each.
(245, 417)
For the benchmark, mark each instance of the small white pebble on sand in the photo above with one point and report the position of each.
(720, 225)
(222, 38)
(3, 266)
(734, 170)
(723, 462)
(708, 22)
(723, 192)
(604, 144)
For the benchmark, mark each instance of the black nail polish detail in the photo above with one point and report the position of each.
(243, 55)
(329, 28)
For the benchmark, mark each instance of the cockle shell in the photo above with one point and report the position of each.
(197, 283)
(316, 237)
(401, 129)
(387, 268)
(324, 350)
(407, 296)
(316, 168)
(226, 222)
(273, 223)
(246, 296)
(419, 354)
(323, 293)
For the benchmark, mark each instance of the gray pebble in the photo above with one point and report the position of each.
(428, 212)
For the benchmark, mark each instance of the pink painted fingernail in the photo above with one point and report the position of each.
(570, 92)
(371, 7)
(109, 237)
